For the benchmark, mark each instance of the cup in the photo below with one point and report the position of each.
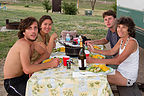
(65, 58)
(87, 53)
(76, 40)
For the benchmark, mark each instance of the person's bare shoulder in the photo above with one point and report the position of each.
(21, 44)
(133, 44)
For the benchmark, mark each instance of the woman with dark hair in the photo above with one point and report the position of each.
(128, 22)
(44, 39)
(128, 54)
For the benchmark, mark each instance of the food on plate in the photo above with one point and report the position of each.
(103, 67)
(61, 49)
(98, 68)
(98, 56)
(48, 60)
(97, 47)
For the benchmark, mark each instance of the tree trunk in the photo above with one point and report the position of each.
(92, 4)
(77, 4)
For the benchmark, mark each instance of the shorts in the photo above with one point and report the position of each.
(130, 82)
(16, 86)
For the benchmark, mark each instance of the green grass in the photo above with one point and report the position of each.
(90, 26)
(98, 5)
(7, 39)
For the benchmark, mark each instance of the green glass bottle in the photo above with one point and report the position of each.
(82, 57)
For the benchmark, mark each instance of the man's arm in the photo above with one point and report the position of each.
(25, 61)
(97, 42)
(111, 52)
(42, 51)
(101, 41)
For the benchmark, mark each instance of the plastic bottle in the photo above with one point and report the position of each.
(67, 37)
(79, 40)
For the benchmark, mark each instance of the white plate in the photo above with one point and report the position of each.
(106, 72)
(101, 46)
(57, 57)
(97, 53)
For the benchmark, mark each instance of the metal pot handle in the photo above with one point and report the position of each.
(71, 37)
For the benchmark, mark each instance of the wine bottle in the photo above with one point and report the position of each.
(82, 57)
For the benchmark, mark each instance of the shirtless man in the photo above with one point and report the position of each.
(18, 61)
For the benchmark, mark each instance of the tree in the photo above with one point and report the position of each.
(46, 5)
(26, 5)
(69, 8)
(114, 6)
(93, 3)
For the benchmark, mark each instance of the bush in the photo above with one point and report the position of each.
(69, 8)
(114, 6)
(46, 5)
(26, 5)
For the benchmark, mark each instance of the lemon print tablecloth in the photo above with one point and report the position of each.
(61, 82)
(67, 82)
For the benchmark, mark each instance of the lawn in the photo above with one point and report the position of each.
(90, 26)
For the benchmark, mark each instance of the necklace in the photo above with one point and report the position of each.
(125, 43)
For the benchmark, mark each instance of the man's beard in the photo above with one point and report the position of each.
(31, 39)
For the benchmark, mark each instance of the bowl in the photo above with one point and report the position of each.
(72, 51)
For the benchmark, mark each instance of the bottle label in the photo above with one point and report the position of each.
(81, 45)
(80, 63)
(67, 38)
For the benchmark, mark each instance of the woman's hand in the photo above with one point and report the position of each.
(54, 36)
(90, 47)
(90, 59)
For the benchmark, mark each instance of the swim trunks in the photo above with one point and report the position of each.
(16, 86)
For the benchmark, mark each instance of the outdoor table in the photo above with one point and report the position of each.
(61, 81)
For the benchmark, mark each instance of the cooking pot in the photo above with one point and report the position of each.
(72, 51)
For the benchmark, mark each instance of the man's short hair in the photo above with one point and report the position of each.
(24, 24)
(109, 13)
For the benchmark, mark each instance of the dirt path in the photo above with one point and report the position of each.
(2, 90)
(32, 8)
